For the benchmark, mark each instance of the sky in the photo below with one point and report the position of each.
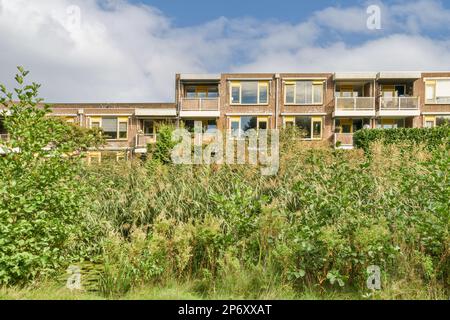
(130, 50)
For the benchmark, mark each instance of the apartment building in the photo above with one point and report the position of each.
(326, 106)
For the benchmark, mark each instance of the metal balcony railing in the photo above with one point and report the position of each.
(399, 103)
(199, 104)
(355, 103)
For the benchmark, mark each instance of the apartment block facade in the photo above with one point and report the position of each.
(326, 106)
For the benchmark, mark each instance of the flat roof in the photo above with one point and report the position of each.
(400, 75)
(355, 75)
(200, 76)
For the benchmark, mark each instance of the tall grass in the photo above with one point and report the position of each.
(317, 225)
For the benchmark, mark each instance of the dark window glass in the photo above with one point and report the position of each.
(149, 127)
(212, 125)
(263, 125)
(189, 125)
(304, 124)
(248, 123)
(440, 121)
(190, 92)
(317, 129)
(357, 124)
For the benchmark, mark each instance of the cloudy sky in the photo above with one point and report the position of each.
(130, 50)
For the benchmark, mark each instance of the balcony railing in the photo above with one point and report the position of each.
(399, 103)
(355, 103)
(142, 140)
(200, 104)
(343, 139)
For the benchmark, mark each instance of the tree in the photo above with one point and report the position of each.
(41, 192)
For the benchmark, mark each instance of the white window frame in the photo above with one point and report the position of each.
(432, 82)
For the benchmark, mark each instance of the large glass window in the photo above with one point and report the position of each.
(444, 120)
(304, 92)
(390, 123)
(248, 123)
(437, 91)
(250, 92)
(113, 127)
(109, 126)
(311, 127)
(202, 91)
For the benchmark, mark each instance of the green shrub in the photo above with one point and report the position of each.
(41, 193)
(431, 137)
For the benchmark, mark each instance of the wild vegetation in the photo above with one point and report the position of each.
(151, 229)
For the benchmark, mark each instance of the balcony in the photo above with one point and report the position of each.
(399, 106)
(199, 107)
(343, 140)
(354, 107)
(142, 141)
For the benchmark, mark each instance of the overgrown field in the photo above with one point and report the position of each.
(148, 229)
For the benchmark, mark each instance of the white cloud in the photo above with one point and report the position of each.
(130, 53)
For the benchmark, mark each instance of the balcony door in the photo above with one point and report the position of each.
(346, 126)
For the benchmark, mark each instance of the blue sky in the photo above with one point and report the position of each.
(130, 50)
(185, 13)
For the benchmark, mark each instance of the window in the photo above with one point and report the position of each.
(114, 128)
(436, 121)
(351, 125)
(303, 92)
(211, 125)
(189, 125)
(311, 127)
(390, 123)
(207, 125)
(248, 123)
(149, 127)
(437, 91)
(250, 92)
(195, 92)
(444, 120)
(239, 125)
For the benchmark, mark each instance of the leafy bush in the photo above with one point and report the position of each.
(41, 193)
(431, 137)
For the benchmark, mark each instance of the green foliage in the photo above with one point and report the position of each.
(41, 194)
(431, 137)
(321, 221)
(162, 150)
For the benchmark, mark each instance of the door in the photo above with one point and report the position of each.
(346, 126)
